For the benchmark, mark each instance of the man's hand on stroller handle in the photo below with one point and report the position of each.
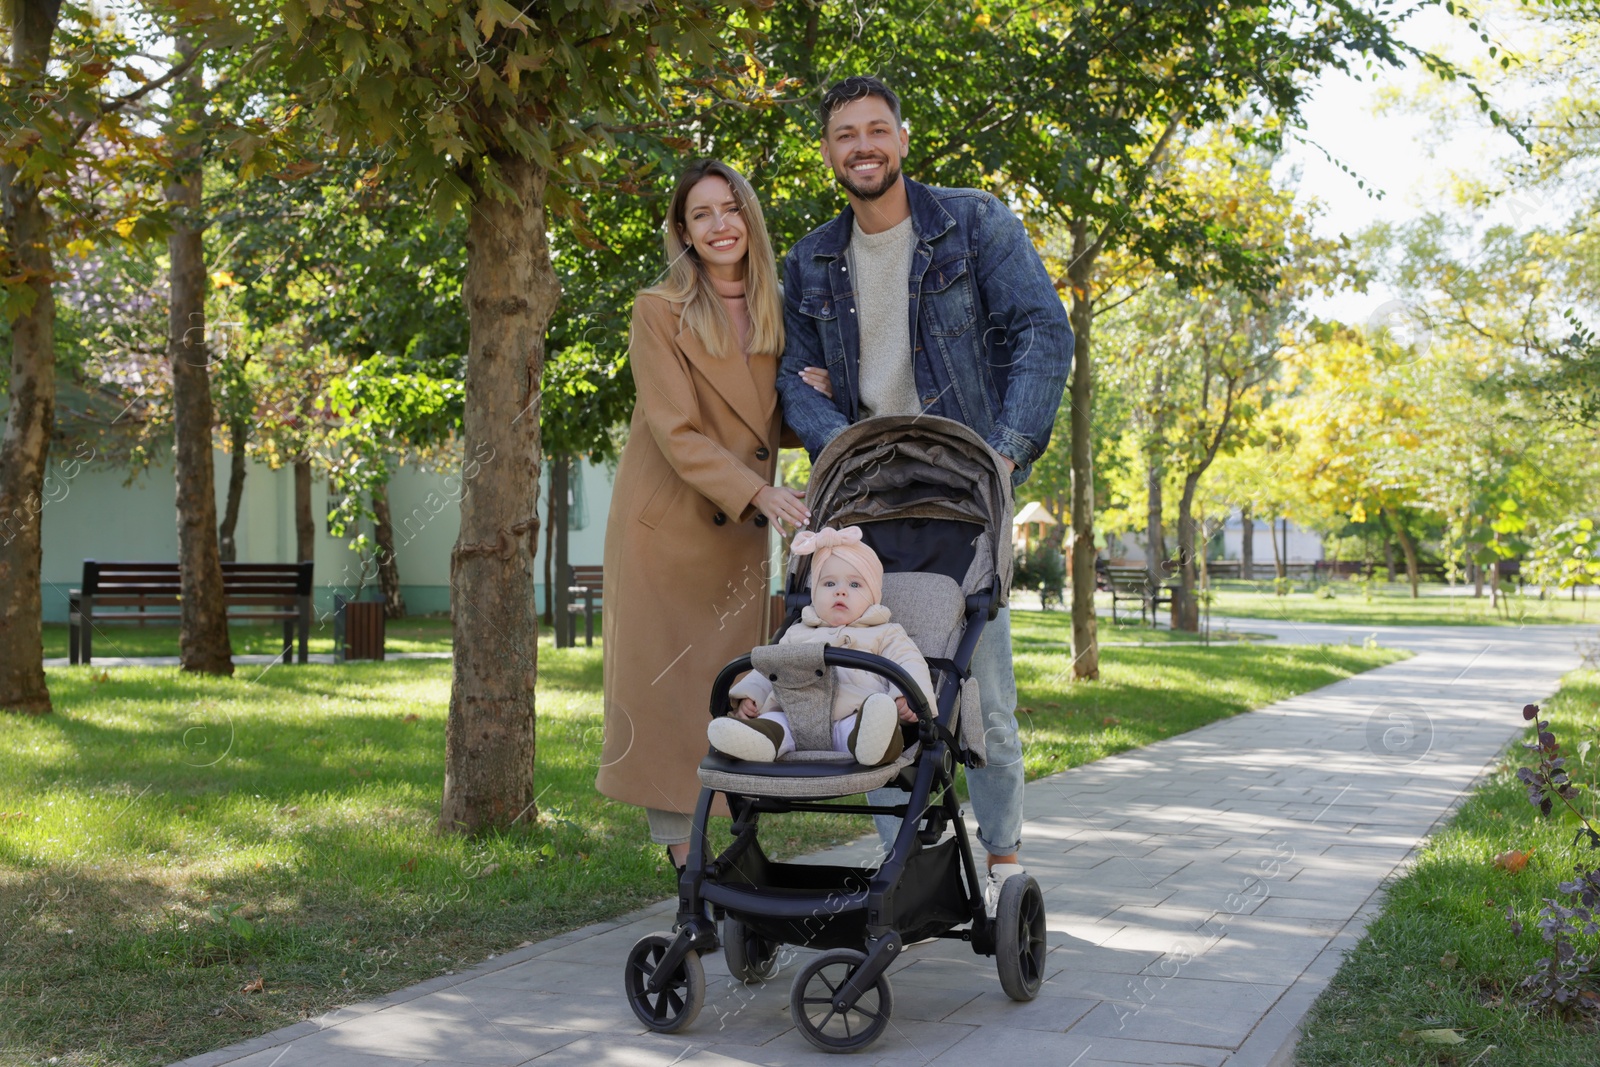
(783, 506)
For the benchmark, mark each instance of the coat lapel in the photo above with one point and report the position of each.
(749, 389)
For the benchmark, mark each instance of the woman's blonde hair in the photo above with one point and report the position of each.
(688, 285)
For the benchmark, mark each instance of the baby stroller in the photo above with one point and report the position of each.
(934, 501)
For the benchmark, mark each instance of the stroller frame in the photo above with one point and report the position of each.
(913, 894)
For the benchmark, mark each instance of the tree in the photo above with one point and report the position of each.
(1081, 110)
(203, 614)
(491, 111)
(69, 145)
(30, 417)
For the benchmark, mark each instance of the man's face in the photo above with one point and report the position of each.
(864, 146)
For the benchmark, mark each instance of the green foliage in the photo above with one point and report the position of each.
(1567, 555)
(447, 91)
(1042, 571)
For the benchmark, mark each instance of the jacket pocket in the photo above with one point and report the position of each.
(947, 298)
(661, 501)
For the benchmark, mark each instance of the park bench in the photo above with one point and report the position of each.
(141, 594)
(1134, 583)
(588, 584)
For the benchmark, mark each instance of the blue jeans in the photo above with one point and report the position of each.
(996, 790)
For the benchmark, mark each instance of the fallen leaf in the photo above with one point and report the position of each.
(1440, 1037)
(1110, 720)
(409, 865)
(1449, 961)
(290, 810)
(413, 717)
(255, 985)
(1512, 860)
(1024, 711)
(488, 870)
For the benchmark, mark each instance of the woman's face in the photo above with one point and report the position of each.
(714, 227)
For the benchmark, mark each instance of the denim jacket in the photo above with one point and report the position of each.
(991, 344)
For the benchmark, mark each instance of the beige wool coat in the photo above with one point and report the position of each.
(686, 565)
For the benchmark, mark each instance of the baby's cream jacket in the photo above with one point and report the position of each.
(874, 633)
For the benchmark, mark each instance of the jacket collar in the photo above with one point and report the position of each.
(928, 218)
(875, 615)
(748, 387)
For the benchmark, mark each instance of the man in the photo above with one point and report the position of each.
(925, 300)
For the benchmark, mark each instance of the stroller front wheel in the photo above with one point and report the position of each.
(813, 1009)
(680, 998)
(750, 957)
(1019, 940)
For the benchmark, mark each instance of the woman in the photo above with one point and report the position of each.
(686, 556)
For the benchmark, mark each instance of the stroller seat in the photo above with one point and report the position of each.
(930, 607)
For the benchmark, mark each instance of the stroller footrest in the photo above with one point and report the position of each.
(798, 779)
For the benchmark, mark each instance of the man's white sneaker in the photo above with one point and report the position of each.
(997, 878)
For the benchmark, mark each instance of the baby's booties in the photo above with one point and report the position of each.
(756, 740)
(876, 740)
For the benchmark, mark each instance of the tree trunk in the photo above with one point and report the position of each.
(1155, 541)
(203, 614)
(510, 292)
(549, 615)
(30, 419)
(1247, 543)
(1085, 637)
(1277, 557)
(305, 527)
(394, 602)
(1388, 558)
(238, 436)
(1186, 607)
(1282, 559)
(560, 487)
(1409, 547)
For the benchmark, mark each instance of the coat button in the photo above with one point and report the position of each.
(762, 453)
(761, 520)
(719, 518)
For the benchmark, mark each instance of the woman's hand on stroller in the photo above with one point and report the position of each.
(745, 709)
(906, 714)
(782, 506)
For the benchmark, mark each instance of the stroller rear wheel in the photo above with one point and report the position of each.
(750, 957)
(679, 1000)
(1019, 940)
(811, 1003)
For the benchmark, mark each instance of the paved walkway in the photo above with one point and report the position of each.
(1201, 892)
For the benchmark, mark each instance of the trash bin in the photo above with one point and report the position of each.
(357, 629)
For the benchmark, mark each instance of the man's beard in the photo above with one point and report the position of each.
(891, 175)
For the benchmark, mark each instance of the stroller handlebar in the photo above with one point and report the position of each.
(832, 657)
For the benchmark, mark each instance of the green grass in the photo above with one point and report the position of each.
(166, 839)
(422, 633)
(1442, 955)
(1122, 632)
(1392, 605)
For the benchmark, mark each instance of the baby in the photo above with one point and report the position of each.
(846, 586)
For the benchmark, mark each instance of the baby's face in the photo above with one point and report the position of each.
(839, 595)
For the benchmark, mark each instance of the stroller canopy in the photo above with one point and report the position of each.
(934, 474)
